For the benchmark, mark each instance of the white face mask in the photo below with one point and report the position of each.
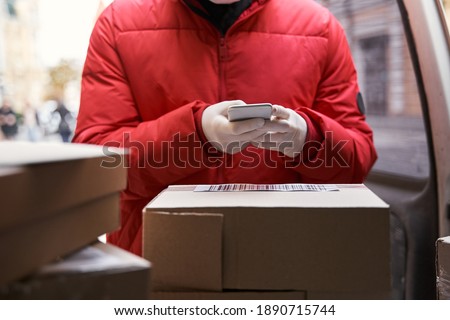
(223, 1)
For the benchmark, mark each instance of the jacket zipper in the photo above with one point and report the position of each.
(222, 94)
(222, 60)
(223, 54)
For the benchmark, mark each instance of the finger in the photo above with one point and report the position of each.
(271, 138)
(252, 136)
(233, 103)
(222, 107)
(240, 127)
(259, 137)
(271, 141)
(277, 137)
(280, 112)
(276, 126)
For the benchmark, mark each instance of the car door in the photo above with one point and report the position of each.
(401, 51)
(426, 215)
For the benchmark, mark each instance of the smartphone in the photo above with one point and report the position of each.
(249, 111)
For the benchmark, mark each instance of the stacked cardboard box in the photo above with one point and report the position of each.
(99, 271)
(55, 199)
(443, 268)
(271, 244)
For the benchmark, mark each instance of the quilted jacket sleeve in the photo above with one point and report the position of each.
(340, 144)
(161, 151)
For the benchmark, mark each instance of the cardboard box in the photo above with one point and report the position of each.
(349, 295)
(25, 248)
(228, 295)
(38, 180)
(443, 268)
(267, 295)
(269, 240)
(99, 271)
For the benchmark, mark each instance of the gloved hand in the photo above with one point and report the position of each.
(286, 132)
(226, 136)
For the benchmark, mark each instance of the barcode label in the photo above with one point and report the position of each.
(266, 187)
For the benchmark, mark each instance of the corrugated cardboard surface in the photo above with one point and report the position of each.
(27, 247)
(53, 178)
(443, 268)
(228, 295)
(350, 295)
(192, 243)
(268, 295)
(99, 271)
(331, 241)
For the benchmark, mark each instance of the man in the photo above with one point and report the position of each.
(65, 117)
(160, 76)
(8, 121)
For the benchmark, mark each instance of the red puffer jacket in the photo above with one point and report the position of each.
(154, 65)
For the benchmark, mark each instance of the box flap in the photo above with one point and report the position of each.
(188, 242)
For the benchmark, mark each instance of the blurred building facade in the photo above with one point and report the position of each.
(21, 73)
(375, 33)
(24, 77)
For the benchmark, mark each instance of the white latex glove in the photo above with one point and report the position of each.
(226, 136)
(285, 132)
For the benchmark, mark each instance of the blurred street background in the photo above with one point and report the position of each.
(43, 45)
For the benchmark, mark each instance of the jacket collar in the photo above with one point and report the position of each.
(255, 4)
(197, 8)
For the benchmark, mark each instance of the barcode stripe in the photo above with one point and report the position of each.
(267, 187)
